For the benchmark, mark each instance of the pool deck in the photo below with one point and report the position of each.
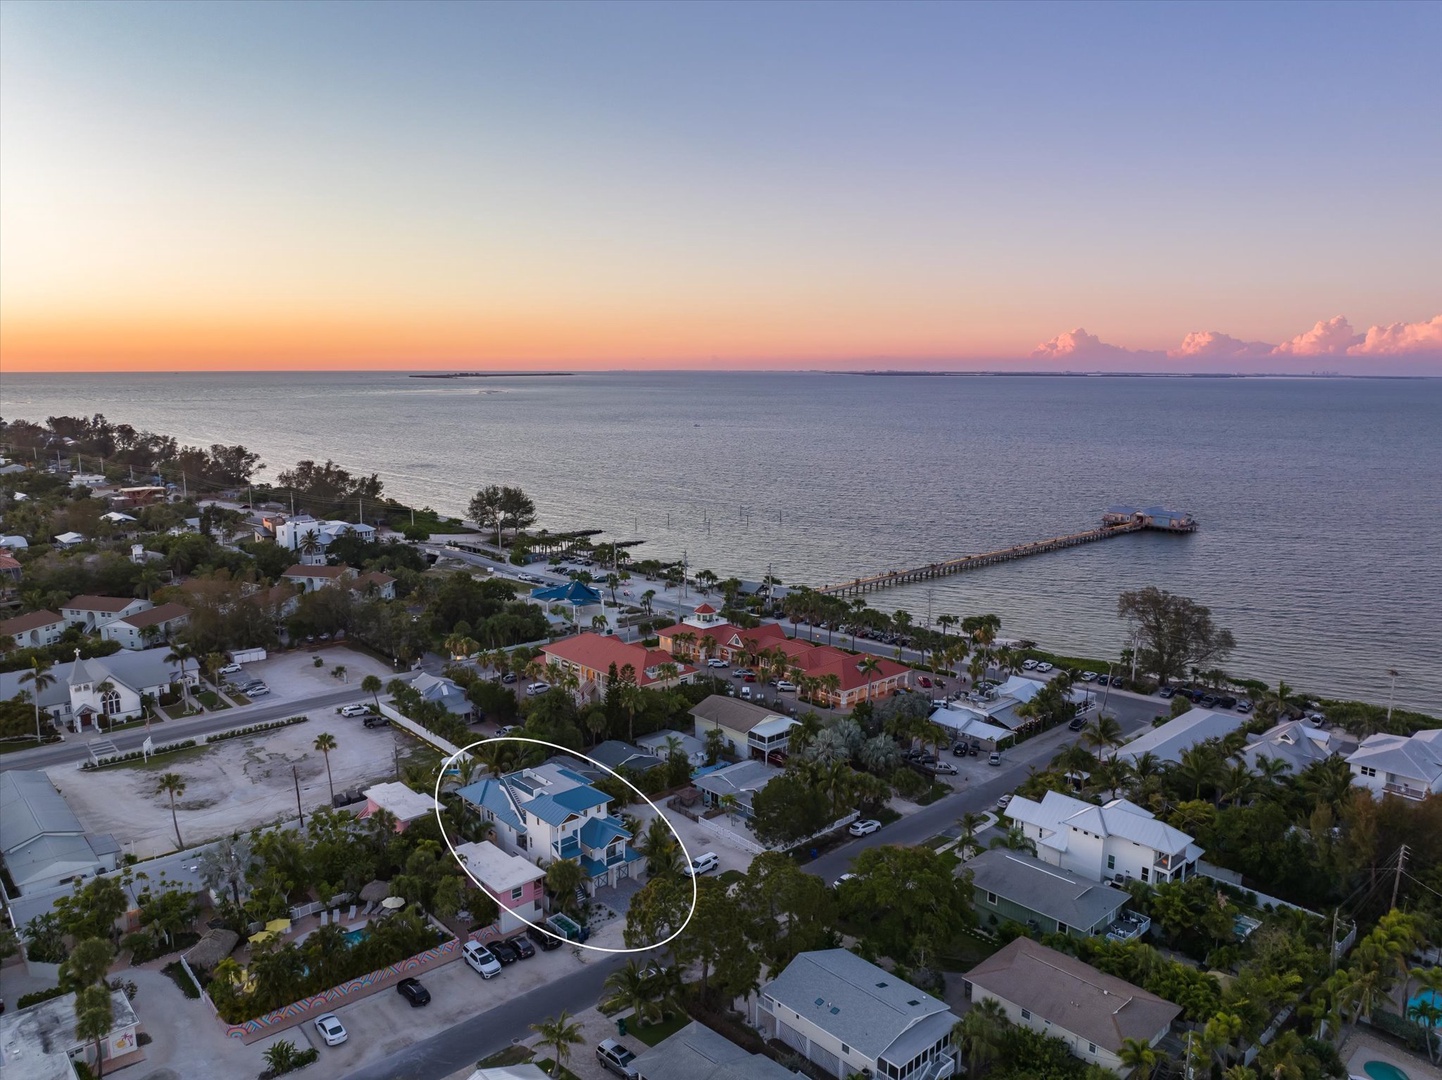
(1361, 1048)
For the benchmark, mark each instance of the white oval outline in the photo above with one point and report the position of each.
(436, 795)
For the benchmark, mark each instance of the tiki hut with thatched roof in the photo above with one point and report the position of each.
(212, 949)
(375, 892)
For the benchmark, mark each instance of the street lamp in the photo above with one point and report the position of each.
(1103, 710)
(1394, 673)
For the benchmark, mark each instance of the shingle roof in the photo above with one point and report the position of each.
(698, 1053)
(1073, 996)
(34, 620)
(615, 754)
(86, 602)
(331, 572)
(31, 807)
(855, 1001)
(1049, 890)
(733, 713)
(156, 615)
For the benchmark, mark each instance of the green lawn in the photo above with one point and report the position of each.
(651, 1034)
(548, 1065)
(511, 1055)
(211, 700)
(9, 747)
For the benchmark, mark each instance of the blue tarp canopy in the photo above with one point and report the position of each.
(573, 592)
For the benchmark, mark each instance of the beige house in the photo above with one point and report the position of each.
(1058, 995)
(737, 721)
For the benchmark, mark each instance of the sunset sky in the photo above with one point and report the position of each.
(1198, 186)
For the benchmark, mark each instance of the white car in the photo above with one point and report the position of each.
(864, 827)
(702, 864)
(1043, 667)
(481, 960)
(944, 767)
(786, 685)
(1005, 801)
(537, 688)
(331, 1029)
(717, 662)
(1088, 676)
(230, 669)
(354, 710)
(844, 877)
(1028, 665)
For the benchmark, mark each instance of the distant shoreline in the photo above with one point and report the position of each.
(494, 375)
(1128, 374)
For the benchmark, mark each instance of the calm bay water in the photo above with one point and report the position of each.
(1318, 499)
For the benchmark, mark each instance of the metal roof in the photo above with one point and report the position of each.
(698, 1053)
(862, 1005)
(1048, 890)
(1192, 727)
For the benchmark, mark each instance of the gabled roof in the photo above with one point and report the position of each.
(598, 832)
(34, 620)
(1049, 890)
(330, 573)
(733, 713)
(743, 779)
(656, 743)
(555, 807)
(599, 651)
(109, 604)
(1057, 812)
(1073, 996)
(31, 807)
(615, 754)
(698, 1053)
(156, 615)
(853, 1000)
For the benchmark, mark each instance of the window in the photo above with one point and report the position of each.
(110, 702)
(1091, 1048)
(1111, 862)
(1026, 1014)
(845, 1049)
(991, 898)
(518, 892)
(1367, 770)
(1061, 928)
(1145, 873)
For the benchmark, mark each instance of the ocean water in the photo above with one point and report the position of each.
(1319, 499)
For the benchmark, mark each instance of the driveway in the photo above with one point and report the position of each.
(187, 1039)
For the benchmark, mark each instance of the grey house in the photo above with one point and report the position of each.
(698, 1053)
(849, 1016)
(1015, 886)
(42, 842)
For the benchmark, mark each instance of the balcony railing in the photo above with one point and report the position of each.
(1129, 927)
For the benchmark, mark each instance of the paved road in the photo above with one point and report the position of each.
(1133, 713)
(74, 746)
(463, 1044)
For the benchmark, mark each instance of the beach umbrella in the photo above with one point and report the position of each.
(393, 903)
(278, 926)
(260, 936)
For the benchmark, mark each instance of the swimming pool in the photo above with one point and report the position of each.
(1425, 997)
(1383, 1070)
(355, 937)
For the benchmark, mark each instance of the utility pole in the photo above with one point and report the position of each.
(1332, 943)
(1394, 673)
(296, 777)
(1397, 880)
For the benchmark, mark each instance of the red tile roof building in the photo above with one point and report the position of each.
(842, 682)
(589, 657)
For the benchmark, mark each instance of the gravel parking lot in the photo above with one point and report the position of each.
(294, 674)
(229, 786)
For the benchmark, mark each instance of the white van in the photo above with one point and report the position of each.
(746, 692)
(703, 864)
(481, 959)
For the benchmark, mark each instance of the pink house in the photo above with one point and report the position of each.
(514, 882)
(399, 800)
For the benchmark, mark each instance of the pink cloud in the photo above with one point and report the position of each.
(1401, 339)
(1331, 337)
(1214, 345)
(1079, 345)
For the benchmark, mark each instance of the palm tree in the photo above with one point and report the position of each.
(371, 685)
(869, 667)
(40, 680)
(632, 699)
(1199, 766)
(636, 988)
(1276, 704)
(1428, 1009)
(662, 853)
(1137, 1054)
(1238, 783)
(94, 1019)
(325, 743)
(559, 1033)
(181, 654)
(310, 542)
(1102, 732)
(563, 878)
(969, 824)
(980, 1034)
(171, 784)
(1112, 773)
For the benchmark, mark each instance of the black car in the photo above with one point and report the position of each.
(414, 992)
(376, 721)
(524, 949)
(1226, 701)
(545, 940)
(505, 952)
(975, 749)
(1077, 724)
(959, 750)
(1102, 680)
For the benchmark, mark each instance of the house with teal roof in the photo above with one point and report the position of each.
(552, 812)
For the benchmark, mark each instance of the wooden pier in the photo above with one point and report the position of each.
(858, 586)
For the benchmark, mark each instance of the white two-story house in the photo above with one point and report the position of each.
(90, 613)
(1410, 766)
(1113, 842)
(551, 812)
(849, 1016)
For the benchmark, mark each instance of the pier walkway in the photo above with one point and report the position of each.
(857, 586)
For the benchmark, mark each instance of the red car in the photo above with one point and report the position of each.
(926, 682)
(749, 678)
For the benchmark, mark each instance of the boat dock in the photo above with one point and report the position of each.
(1117, 521)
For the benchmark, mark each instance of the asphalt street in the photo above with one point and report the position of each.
(462, 1045)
